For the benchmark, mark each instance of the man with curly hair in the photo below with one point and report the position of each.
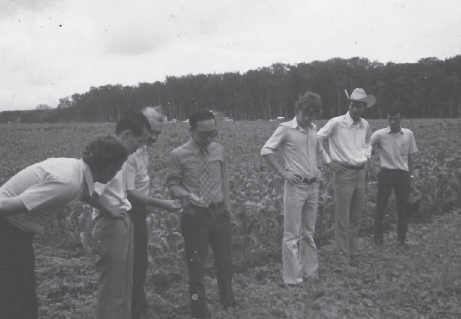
(298, 143)
(33, 195)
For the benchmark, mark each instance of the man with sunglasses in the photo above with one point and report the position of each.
(350, 149)
(197, 174)
(297, 141)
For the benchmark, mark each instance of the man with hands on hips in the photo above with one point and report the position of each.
(350, 150)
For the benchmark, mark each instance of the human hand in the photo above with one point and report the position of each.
(171, 205)
(290, 177)
(336, 167)
(116, 212)
(195, 200)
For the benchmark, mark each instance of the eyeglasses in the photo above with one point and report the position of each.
(205, 134)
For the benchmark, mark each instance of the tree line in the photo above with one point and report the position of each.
(430, 88)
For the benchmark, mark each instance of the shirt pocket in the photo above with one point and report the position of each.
(214, 169)
(192, 170)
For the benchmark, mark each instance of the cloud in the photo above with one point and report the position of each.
(14, 8)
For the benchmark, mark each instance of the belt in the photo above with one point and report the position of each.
(353, 166)
(307, 180)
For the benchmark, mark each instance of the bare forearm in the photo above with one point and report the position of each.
(272, 161)
(411, 164)
(145, 199)
(97, 203)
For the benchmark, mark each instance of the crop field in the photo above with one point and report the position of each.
(423, 283)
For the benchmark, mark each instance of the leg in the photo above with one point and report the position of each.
(356, 210)
(138, 217)
(113, 246)
(402, 190)
(220, 241)
(382, 198)
(17, 273)
(307, 249)
(294, 198)
(194, 227)
(344, 188)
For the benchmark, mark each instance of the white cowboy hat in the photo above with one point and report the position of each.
(359, 95)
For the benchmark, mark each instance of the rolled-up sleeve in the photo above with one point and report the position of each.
(322, 155)
(326, 131)
(274, 141)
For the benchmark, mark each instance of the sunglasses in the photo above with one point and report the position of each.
(204, 135)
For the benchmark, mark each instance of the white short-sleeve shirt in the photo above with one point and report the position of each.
(393, 149)
(46, 188)
(136, 171)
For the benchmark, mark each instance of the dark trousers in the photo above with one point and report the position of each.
(202, 227)
(399, 181)
(140, 237)
(18, 299)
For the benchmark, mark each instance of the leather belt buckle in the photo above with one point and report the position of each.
(306, 180)
(353, 166)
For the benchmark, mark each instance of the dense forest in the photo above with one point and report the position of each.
(430, 88)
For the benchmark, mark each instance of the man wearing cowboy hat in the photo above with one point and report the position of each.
(349, 146)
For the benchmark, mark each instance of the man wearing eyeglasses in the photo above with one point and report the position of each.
(350, 149)
(297, 141)
(197, 174)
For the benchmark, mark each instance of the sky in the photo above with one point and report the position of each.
(53, 49)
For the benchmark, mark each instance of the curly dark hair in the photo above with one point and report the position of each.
(309, 101)
(105, 152)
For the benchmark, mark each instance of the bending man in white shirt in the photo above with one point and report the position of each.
(29, 198)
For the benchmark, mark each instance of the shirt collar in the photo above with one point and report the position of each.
(196, 148)
(388, 130)
(88, 177)
(294, 124)
(350, 121)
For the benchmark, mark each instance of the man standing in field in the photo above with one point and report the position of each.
(113, 235)
(197, 174)
(298, 142)
(350, 149)
(396, 148)
(27, 200)
(137, 188)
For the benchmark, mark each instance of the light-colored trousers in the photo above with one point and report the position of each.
(349, 193)
(113, 246)
(300, 205)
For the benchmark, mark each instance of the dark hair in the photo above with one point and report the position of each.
(395, 110)
(103, 152)
(133, 121)
(199, 116)
(308, 101)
